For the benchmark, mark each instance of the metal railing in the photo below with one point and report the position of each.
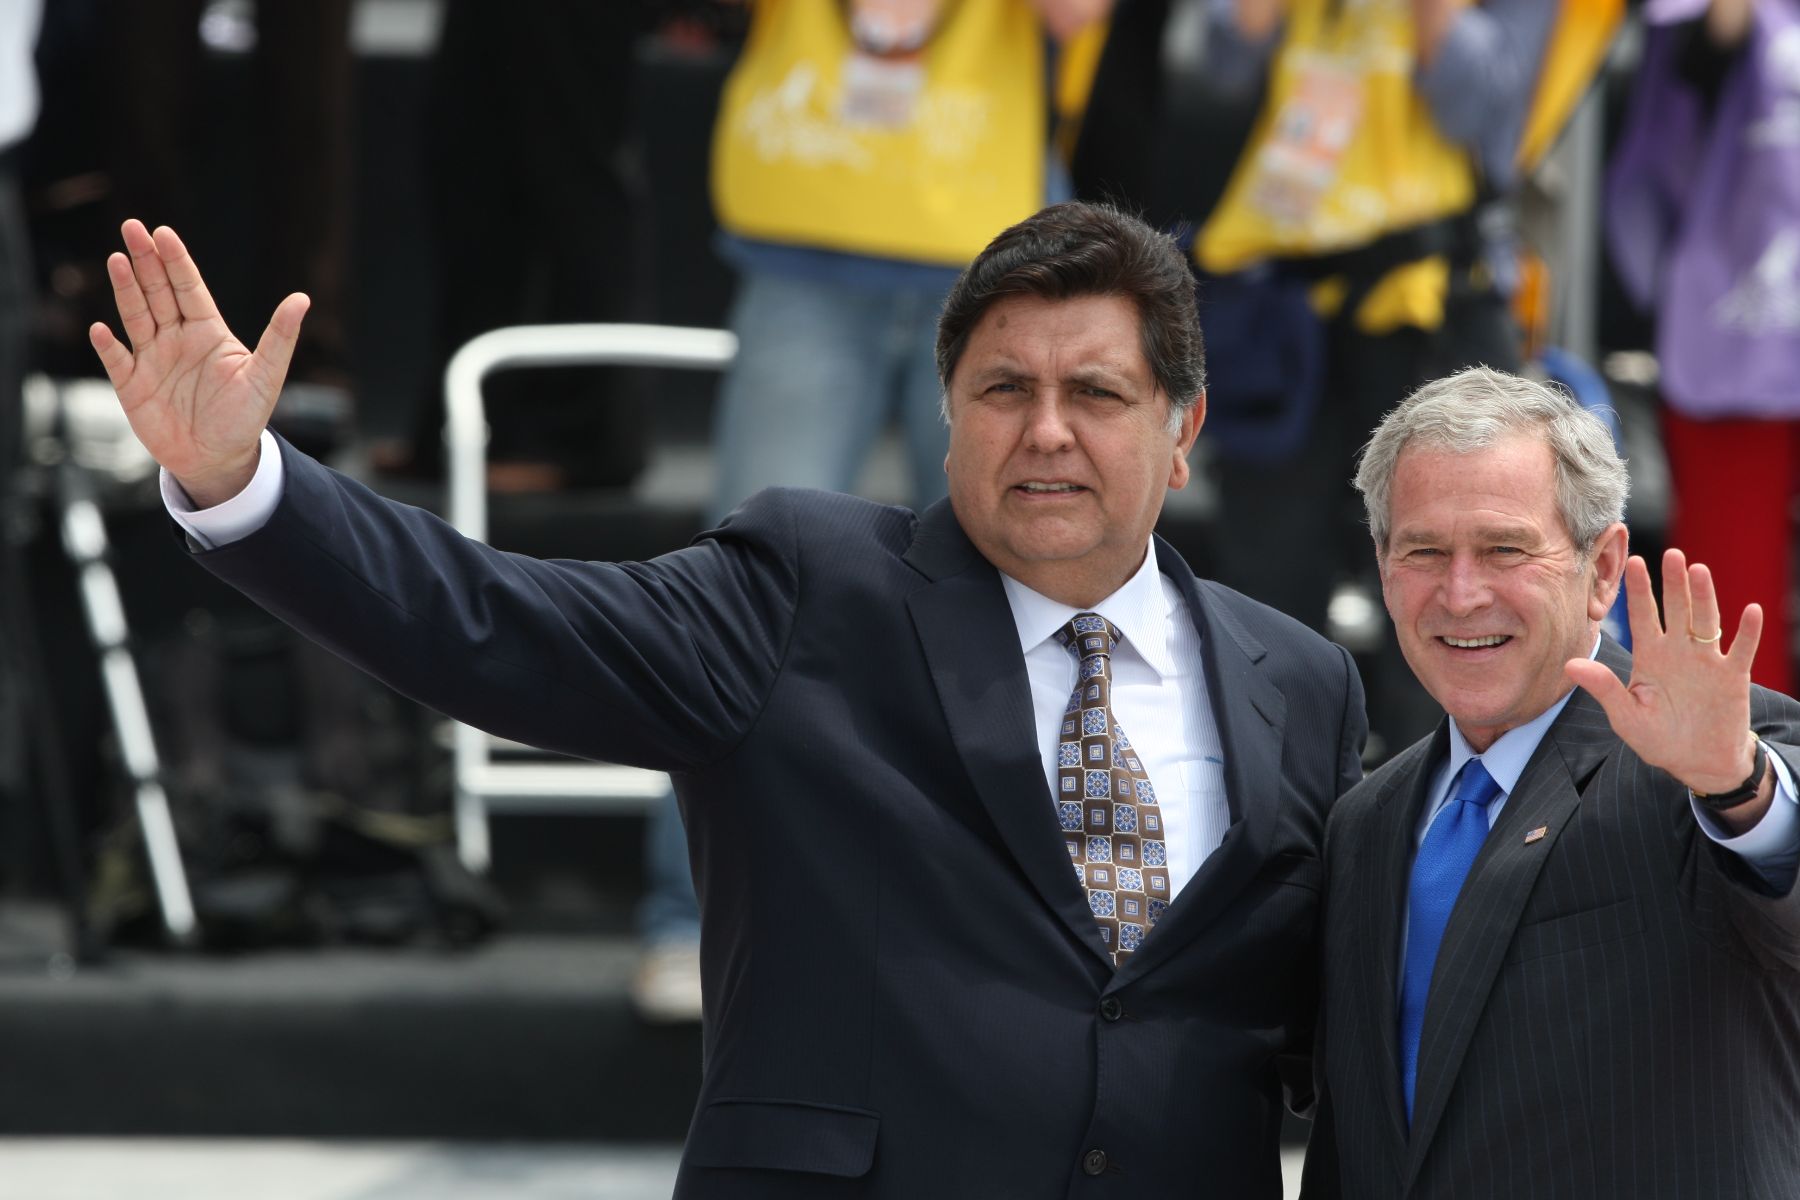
(485, 780)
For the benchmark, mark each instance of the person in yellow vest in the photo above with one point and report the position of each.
(1356, 213)
(864, 152)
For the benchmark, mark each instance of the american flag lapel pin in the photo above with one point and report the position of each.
(1537, 835)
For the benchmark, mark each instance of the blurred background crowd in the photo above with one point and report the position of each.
(1373, 192)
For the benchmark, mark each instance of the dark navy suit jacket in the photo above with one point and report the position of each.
(1615, 1011)
(905, 994)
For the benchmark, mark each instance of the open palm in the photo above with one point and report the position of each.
(195, 397)
(1687, 707)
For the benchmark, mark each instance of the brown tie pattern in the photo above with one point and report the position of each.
(1105, 802)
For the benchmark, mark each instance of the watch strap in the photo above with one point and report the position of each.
(1743, 792)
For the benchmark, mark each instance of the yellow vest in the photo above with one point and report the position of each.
(790, 165)
(1344, 151)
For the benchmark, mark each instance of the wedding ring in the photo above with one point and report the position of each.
(1706, 641)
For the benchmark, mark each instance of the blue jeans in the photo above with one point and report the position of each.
(669, 911)
(821, 370)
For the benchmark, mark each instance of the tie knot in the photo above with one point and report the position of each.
(1088, 634)
(1477, 786)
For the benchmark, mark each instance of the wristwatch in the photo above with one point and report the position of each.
(1743, 792)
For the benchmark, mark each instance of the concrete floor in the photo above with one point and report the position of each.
(209, 1169)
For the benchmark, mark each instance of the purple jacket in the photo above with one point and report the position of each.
(1703, 219)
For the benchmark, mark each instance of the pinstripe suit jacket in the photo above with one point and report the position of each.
(1615, 1010)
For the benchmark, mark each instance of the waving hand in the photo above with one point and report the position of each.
(195, 397)
(1687, 707)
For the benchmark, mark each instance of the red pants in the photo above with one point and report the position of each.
(1734, 484)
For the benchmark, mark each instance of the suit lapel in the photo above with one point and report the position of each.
(971, 645)
(1383, 869)
(1487, 912)
(1251, 713)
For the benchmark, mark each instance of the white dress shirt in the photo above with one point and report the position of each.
(1159, 699)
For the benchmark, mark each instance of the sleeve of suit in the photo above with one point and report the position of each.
(1305, 1084)
(1353, 732)
(1772, 845)
(1765, 914)
(661, 664)
(1319, 1179)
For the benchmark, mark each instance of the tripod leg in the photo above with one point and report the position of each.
(84, 538)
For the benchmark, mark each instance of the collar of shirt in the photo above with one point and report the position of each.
(1505, 760)
(1139, 610)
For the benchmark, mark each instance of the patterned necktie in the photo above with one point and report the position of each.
(1105, 803)
(1443, 862)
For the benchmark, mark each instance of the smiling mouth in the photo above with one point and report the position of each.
(1477, 643)
(1049, 489)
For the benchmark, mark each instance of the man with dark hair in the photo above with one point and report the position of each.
(1071, 250)
(962, 936)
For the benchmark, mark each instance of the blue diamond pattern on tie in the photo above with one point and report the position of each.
(1121, 804)
(1443, 862)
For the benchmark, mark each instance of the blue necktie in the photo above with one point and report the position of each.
(1444, 859)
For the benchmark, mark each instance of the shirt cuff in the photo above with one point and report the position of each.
(234, 519)
(1772, 845)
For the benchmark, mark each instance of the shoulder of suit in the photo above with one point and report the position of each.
(1395, 772)
(812, 518)
(1270, 626)
(1777, 705)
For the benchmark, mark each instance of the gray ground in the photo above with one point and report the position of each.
(207, 1169)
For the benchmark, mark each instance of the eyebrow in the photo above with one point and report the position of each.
(1088, 374)
(1508, 535)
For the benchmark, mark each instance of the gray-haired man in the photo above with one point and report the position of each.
(1563, 938)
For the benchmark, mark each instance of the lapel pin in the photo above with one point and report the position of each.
(1537, 835)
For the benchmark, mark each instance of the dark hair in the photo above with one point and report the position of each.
(1080, 249)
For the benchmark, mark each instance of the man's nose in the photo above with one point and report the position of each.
(1465, 585)
(1047, 423)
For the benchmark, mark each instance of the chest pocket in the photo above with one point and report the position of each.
(784, 1135)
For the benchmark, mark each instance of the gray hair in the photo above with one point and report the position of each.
(1479, 406)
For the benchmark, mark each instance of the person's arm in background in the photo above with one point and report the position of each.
(1711, 47)
(1063, 19)
(1240, 37)
(1728, 23)
(1477, 70)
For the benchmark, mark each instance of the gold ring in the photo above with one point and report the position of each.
(1706, 641)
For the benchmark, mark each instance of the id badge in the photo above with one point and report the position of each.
(881, 92)
(1305, 149)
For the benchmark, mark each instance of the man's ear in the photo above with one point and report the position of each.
(1610, 552)
(1189, 429)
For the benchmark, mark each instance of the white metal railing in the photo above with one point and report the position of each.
(484, 781)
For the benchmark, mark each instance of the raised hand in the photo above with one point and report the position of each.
(195, 397)
(1687, 707)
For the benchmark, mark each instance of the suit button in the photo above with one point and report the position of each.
(1094, 1162)
(1111, 1009)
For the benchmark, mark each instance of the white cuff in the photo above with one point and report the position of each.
(234, 519)
(1773, 841)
